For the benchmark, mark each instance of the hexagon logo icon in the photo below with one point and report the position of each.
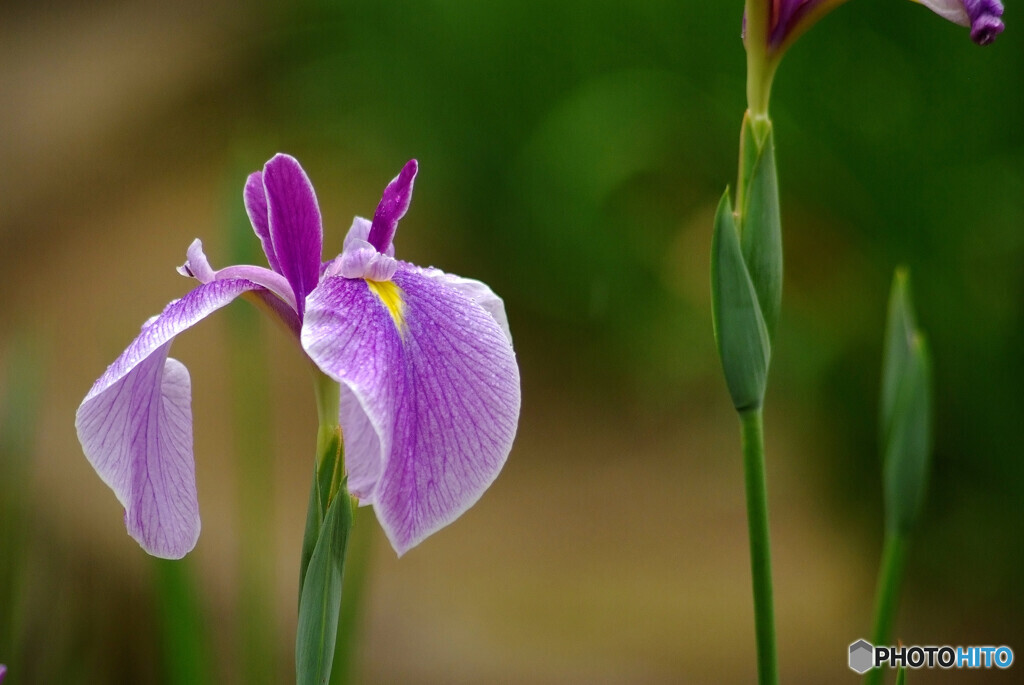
(861, 656)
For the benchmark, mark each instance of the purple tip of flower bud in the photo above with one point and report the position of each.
(393, 206)
(986, 19)
(3, 672)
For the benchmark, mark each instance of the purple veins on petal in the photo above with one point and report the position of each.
(438, 388)
(135, 426)
(293, 217)
(393, 206)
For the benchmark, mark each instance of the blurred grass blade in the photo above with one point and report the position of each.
(901, 676)
(19, 414)
(740, 331)
(760, 224)
(186, 659)
(320, 600)
(900, 327)
(250, 403)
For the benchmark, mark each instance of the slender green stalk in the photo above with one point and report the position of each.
(330, 452)
(890, 578)
(328, 592)
(760, 65)
(760, 546)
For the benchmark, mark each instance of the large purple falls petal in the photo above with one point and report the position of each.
(437, 384)
(135, 426)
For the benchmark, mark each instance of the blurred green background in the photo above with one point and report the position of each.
(571, 155)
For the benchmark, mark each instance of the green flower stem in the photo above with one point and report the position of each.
(760, 546)
(760, 64)
(330, 452)
(328, 484)
(890, 578)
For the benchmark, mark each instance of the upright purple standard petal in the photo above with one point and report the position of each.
(393, 206)
(255, 197)
(294, 221)
(135, 426)
(433, 375)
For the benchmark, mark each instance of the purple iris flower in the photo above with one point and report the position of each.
(786, 15)
(985, 17)
(787, 18)
(429, 385)
(3, 672)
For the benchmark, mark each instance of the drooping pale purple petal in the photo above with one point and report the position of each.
(986, 19)
(434, 376)
(294, 221)
(983, 16)
(255, 196)
(392, 207)
(135, 426)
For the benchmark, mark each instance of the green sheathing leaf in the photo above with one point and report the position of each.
(760, 223)
(906, 412)
(320, 597)
(740, 331)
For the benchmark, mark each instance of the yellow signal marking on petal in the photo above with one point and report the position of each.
(391, 295)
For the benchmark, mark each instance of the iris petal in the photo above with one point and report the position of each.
(294, 224)
(255, 196)
(135, 426)
(440, 390)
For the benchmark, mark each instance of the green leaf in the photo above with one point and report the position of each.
(760, 222)
(314, 521)
(740, 331)
(320, 597)
(906, 413)
(319, 492)
(901, 676)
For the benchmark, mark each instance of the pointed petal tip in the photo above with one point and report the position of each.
(394, 203)
(280, 158)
